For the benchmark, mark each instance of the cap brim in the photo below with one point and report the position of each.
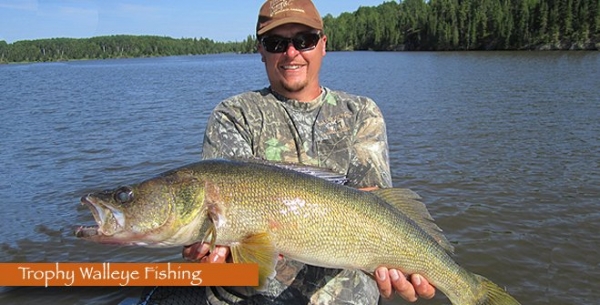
(308, 22)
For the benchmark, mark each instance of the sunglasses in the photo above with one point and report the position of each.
(302, 42)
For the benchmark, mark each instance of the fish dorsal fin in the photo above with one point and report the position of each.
(319, 172)
(313, 170)
(257, 249)
(410, 204)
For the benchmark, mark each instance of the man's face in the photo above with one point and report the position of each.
(293, 73)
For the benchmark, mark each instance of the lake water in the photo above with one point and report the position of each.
(504, 147)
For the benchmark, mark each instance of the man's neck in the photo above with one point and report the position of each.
(304, 96)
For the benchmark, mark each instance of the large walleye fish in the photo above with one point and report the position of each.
(260, 211)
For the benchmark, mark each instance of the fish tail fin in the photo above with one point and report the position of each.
(493, 294)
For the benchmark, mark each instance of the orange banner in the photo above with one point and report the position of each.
(127, 274)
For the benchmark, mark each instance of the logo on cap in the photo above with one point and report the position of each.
(281, 6)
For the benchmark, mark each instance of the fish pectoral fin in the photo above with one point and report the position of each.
(409, 203)
(210, 237)
(256, 249)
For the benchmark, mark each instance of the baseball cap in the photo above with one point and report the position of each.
(274, 13)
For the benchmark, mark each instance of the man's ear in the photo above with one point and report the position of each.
(259, 49)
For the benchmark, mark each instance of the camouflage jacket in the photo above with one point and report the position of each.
(339, 131)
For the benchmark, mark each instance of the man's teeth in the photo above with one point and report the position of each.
(291, 67)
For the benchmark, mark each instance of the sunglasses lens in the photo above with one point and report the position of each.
(301, 42)
(275, 44)
(305, 42)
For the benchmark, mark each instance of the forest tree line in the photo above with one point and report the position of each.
(439, 25)
(116, 46)
(433, 25)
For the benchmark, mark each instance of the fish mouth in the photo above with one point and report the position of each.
(96, 209)
(109, 220)
(93, 231)
(110, 224)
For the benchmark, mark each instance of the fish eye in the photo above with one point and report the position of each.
(123, 195)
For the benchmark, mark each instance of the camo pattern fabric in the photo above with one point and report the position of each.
(339, 131)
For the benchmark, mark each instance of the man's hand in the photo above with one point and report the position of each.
(200, 252)
(392, 280)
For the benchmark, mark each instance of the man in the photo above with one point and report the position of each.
(297, 120)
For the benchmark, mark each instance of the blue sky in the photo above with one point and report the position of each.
(220, 20)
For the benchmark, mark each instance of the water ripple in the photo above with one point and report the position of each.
(504, 148)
